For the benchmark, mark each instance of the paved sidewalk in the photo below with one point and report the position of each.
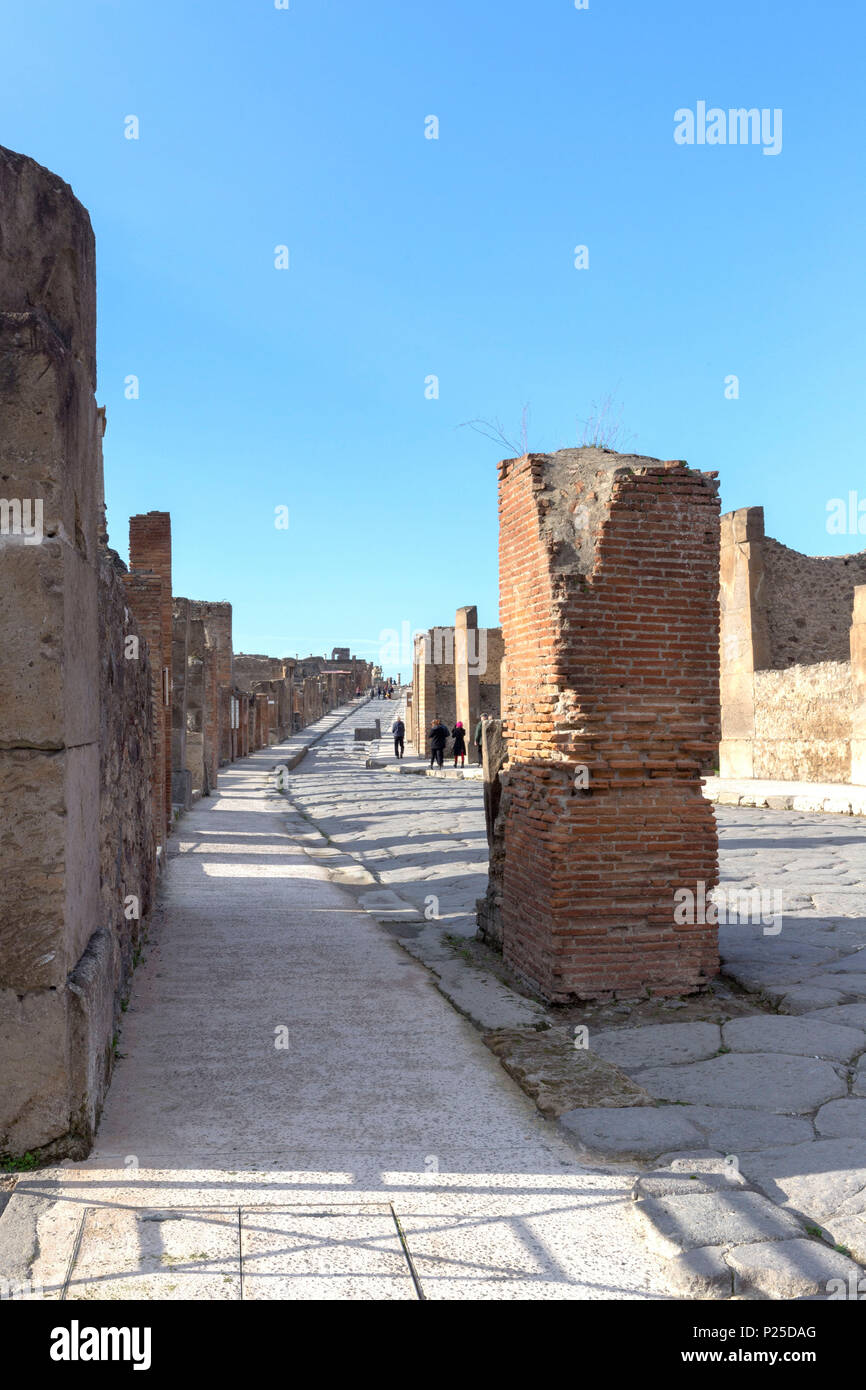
(835, 798)
(296, 1110)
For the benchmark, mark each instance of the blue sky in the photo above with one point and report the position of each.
(412, 257)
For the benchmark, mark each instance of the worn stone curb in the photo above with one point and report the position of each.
(842, 805)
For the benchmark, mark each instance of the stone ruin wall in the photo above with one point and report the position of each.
(609, 584)
(75, 712)
(455, 675)
(115, 696)
(789, 692)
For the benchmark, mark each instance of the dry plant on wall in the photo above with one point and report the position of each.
(602, 429)
(517, 444)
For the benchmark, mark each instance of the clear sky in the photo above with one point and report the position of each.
(453, 257)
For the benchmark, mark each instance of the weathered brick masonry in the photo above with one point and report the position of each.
(609, 593)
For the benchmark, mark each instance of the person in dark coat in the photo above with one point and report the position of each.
(479, 736)
(458, 733)
(438, 738)
(398, 729)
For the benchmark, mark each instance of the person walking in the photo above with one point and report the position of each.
(459, 750)
(398, 729)
(479, 739)
(438, 738)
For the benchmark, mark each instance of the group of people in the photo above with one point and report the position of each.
(386, 691)
(439, 734)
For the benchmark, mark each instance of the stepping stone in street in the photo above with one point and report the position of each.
(671, 1225)
(786, 1085)
(802, 1036)
(798, 1268)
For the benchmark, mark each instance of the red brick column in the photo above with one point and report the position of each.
(145, 597)
(150, 552)
(609, 587)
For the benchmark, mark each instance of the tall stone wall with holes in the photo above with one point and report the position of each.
(609, 602)
(76, 840)
(150, 554)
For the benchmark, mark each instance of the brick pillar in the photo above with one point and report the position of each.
(467, 663)
(195, 702)
(150, 552)
(211, 714)
(744, 637)
(145, 597)
(858, 680)
(181, 782)
(609, 586)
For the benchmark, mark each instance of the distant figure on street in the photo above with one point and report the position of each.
(459, 750)
(438, 738)
(398, 729)
(479, 739)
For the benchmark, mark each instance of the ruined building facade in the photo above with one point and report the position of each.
(119, 701)
(793, 664)
(456, 674)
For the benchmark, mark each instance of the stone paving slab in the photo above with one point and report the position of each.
(661, 1044)
(641, 1135)
(842, 1119)
(815, 1179)
(804, 1037)
(853, 1015)
(345, 1253)
(156, 1254)
(785, 1085)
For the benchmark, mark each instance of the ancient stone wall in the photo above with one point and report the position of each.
(128, 835)
(609, 592)
(786, 682)
(74, 699)
(808, 600)
(803, 721)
